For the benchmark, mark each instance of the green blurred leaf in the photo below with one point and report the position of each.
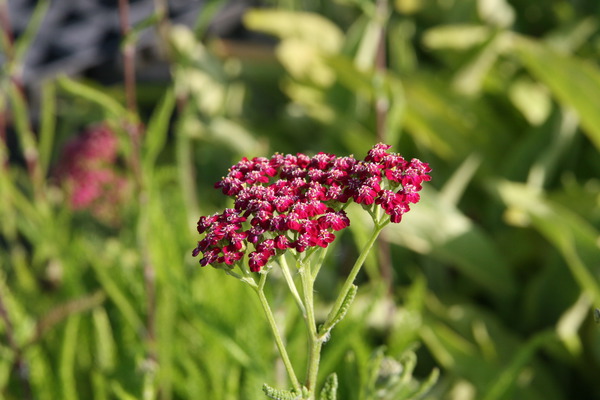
(304, 62)
(94, 95)
(47, 125)
(121, 393)
(104, 339)
(68, 359)
(507, 380)
(569, 38)
(312, 29)
(479, 349)
(23, 44)
(457, 37)
(557, 142)
(115, 293)
(531, 99)
(27, 139)
(235, 136)
(469, 79)
(43, 376)
(367, 50)
(439, 119)
(574, 82)
(438, 228)
(570, 234)
(570, 323)
(498, 13)
(158, 127)
(455, 187)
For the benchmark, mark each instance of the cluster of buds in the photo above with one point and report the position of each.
(87, 170)
(297, 202)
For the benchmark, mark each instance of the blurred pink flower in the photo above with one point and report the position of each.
(87, 170)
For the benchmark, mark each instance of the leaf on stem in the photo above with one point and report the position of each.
(343, 310)
(329, 391)
(279, 394)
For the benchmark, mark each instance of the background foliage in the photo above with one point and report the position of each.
(493, 277)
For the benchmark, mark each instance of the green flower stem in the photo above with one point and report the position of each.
(314, 344)
(319, 264)
(278, 341)
(285, 269)
(324, 331)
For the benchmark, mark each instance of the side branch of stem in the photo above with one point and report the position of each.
(350, 280)
(277, 336)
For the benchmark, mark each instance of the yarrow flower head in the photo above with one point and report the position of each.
(87, 171)
(296, 202)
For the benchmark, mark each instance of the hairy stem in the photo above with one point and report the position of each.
(351, 277)
(285, 269)
(275, 330)
(314, 343)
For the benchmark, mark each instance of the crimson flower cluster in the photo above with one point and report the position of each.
(87, 170)
(297, 202)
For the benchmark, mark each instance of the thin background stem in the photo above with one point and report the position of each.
(381, 111)
(20, 109)
(134, 130)
(128, 56)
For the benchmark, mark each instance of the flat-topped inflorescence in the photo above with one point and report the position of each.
(295, 202)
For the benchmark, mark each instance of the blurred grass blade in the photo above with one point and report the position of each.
(66, 310)
(47, 125)
(508, 378)
(570, 323)
(20, 114)
(367, 49)
(204, 19)
(156, 133)
(548, 159)
(574, 82)
(357, 81)
(469, 79)
(117, 296)
(136, 30)
(99, 386)
(435, 118)
(94, 95)
(43, 375)
(454, 187)
(35, 21)
(570, 38)
(104, 340)
(121, 393)
(68, 359)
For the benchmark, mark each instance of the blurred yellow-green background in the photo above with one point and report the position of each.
(493, 278)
